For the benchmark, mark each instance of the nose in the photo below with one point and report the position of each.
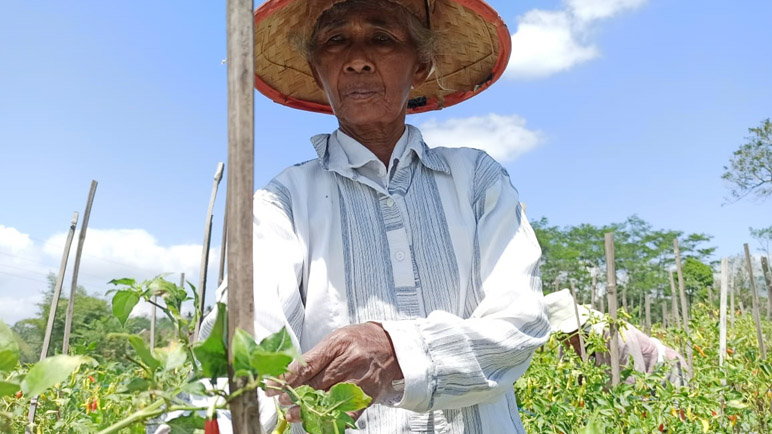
(358, 60)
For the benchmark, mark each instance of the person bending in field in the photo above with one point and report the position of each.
(645, 353)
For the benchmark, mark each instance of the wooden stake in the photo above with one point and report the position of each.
(755, 302)
(583, 351)
(52, 312)
(731, 301)
(241, 171)
(674, 303)
(611, 289)
(684, 306)
(594, 290)
(648, 314)
(224, 244)
(664, 313)
(76, 267)
(722, 311)
(768, 281)
(205, 250)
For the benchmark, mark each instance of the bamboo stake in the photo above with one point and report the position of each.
(241, 166)
(205, 250)
(594, 290)
(755, 302)
(674, 303)
(731, 302)
(722, 311)
(664, 313)
(611, 289)
(583, 352)
(768, 281)
(33, 405)
(602, 305)
(224, 244)
(648, 314)
(76, 267)
(684, 305)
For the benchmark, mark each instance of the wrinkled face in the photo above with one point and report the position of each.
(366, 63)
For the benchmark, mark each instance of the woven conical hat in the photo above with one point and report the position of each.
(473, 50)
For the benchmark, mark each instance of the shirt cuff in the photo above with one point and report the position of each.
(415, 362)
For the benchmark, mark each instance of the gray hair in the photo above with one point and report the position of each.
(425, 39)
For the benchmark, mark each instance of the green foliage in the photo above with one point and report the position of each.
(697, 276)
(9, 349)
(47, 372)
(560, 394)
(750, 167)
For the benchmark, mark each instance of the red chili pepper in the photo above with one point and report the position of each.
(19, 394)
(211, 427)
(95, 404)
(644, 415)
(662, 427)
(683, 414)
(713, 412)
(91, 379)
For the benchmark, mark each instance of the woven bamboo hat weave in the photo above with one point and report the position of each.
(473, 50)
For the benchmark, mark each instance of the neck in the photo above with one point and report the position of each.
(380, 139)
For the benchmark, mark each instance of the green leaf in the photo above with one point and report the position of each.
(141, 349)
(8, 388)
(125, 281)
(192, 423)
(348, 397)
(48, 372)
(9, 349)
(195, 387)
(136, 384)
(266, 363)
(279, 341)
(243, 345)
(175, 358)
(312, 423)
(211, 352)
(123, 303)
(736, 403)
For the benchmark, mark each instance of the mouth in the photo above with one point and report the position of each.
(360, 92)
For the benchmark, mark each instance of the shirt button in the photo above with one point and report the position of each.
(400, 255)
(390, 202)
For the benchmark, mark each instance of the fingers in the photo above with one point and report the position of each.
(293, 415)
(316, 360)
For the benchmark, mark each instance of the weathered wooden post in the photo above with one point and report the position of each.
(205, 249)
(647, 305)
(241, 167)
(76, 267)
(731, 299)
(722, 311)
(674, 303)
(755, 302)
(684, 306)
(768, 281)
(664, 313)
(223, 246)
(33, 405)
(611, 289)
(594, 289)
(583, 352)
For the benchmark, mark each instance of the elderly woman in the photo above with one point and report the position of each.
(408, 270)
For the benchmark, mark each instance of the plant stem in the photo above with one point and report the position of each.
(143, 414)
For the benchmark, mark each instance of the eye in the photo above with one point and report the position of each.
(383, 37)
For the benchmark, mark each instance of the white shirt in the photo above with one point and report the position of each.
(436, 248)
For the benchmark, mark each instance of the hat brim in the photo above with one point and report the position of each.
(474, 50)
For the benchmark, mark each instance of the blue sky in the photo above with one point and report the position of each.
(609, 108)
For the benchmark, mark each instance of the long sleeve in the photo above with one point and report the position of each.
(452, 362)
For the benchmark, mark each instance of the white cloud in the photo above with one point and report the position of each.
(107, 254)
(588, 10)
(503, 137)
(548, 42)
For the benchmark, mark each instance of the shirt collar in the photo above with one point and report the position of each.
(344, 158)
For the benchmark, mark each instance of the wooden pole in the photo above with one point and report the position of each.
(731, 300)
(583, 351)
(755, 301)
(241, 170)
(52, 312)
(648, 314)
(602, 305)
(768, 281)
(722, 311)
(594, 290)
(224, 244)
(205, 250)
(76, 267)
(611, 289)
(674, 303)
(664, 313)
(684, 306)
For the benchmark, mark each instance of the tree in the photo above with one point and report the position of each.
(697, 277)
(750, 168)
(763, 236)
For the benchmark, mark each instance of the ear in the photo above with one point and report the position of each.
(422, 73)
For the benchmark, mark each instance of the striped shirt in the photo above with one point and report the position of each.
(435, 247)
